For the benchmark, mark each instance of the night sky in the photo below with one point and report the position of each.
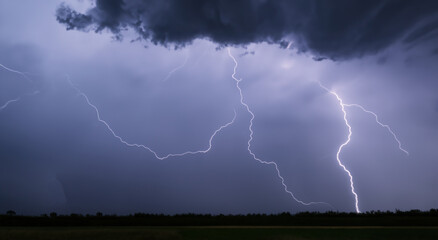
(94, 95)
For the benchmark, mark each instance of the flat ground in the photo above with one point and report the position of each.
(228, 233)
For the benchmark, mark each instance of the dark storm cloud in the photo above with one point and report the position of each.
(329, 29)
(72, 19)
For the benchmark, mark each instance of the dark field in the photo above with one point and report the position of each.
(164, 233)
(331, 225)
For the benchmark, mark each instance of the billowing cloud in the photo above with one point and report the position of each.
(337, 29)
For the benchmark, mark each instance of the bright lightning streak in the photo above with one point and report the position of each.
(175, 69)
(242, 102)
(341, 103)
(141, 145)
(381, 124)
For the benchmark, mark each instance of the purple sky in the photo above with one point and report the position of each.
(56, 156)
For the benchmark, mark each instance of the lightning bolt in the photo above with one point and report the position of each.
(9, 102)
(381, 124)
(175, 69)
(17, 99)
(343, 105)
(338, 158)
(113, 133)
(23, 74)
(251, 133)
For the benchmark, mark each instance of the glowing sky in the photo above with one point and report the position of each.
(55, 154)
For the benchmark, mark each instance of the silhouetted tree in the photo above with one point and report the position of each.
(53, 214)
(11, 213)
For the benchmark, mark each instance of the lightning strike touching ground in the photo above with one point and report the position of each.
(341, 103)
(381, 124)
(175, 69)
(242, 102)
(141, 145)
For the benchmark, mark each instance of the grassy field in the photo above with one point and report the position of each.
(229, 233)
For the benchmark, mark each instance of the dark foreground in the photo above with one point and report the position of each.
(413, 224)
(218, 232)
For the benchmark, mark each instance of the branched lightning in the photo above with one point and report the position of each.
(141, 145)
(244, 104)
(381, 124)
(23, 74)
(218, 130)
(175, 69)
(343, 105)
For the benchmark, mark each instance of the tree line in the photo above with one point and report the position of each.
(371, 218)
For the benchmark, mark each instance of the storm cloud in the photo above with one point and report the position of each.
(337, 30)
